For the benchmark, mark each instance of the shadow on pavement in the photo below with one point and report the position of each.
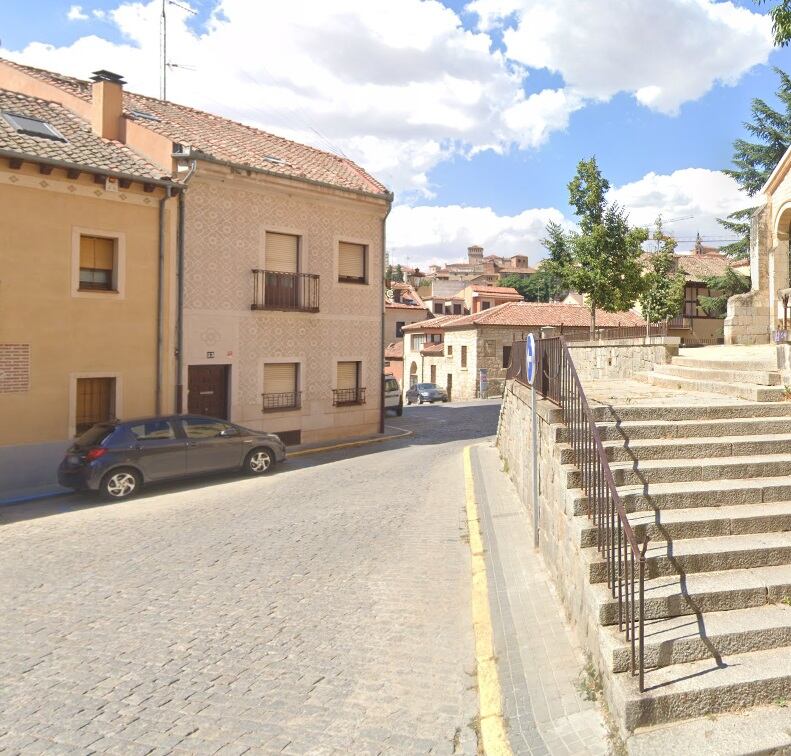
(430, 424)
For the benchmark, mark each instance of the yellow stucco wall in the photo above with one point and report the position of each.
(227, 217)
(91, 333)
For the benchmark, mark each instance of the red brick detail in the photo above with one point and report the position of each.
(14, 368)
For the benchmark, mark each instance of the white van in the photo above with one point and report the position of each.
(393, 398)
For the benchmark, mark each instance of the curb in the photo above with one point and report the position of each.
(494, 740)
(352, 444)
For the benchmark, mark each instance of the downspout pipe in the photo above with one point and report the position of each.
(179, 404)
(160, 302)
(382, 329)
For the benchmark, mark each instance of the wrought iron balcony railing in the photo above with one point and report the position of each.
(273, 290)
(345, 397)
(282, 401)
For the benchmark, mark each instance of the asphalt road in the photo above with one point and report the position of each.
(324, 608)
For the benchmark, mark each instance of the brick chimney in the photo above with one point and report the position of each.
(107, 103)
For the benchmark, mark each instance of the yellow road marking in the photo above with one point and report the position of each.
(493, 737)
(352, 444)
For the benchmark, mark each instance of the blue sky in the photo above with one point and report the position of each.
(446, 126)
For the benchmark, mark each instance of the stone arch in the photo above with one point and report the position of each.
(413, 374)
(782, 224)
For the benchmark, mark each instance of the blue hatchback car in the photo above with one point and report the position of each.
(116, 458)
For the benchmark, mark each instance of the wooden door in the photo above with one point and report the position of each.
(449, 388)
(208, 391)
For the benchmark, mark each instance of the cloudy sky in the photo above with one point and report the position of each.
(474, 112)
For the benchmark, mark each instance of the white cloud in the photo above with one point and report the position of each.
(664, 54)
(75, 14)
(425, 235)
(698, 192)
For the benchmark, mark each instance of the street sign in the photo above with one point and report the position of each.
(530, 358)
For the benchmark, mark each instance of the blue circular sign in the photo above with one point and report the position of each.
(530, 354)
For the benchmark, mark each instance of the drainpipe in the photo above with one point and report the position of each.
(382, 329)
(160, 301)
(180, 293)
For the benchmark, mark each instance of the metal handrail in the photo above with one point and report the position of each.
(557, 381)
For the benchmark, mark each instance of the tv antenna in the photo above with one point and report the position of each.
(163, 46)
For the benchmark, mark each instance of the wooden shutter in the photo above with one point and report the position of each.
(280, 378)
(282, 252)
(97, 253)
(347, 375)
(95, 401)
(351, 261)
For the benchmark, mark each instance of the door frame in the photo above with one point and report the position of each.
(226, 372)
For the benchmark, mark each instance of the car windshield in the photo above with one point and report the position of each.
(391, 385)
(94, 435)
(426, 386)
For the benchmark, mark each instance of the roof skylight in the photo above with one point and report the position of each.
(33, 127)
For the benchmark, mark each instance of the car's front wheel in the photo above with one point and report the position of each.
(120, 484)
(259, 461)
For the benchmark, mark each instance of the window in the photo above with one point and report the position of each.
(439, 308)
(281, 386)
(486, 304)
(203, 427)
(489, 348)
(506, 356)
(351, 262)
(153, 430)
(400, 328)
(457, 309)
(95, 402)
(434, 338)
(417, 341)
(464, 356)
(450, 350)
(97, 264)
(282, 252)
(348, 390)
(33, 127)
(433, 373)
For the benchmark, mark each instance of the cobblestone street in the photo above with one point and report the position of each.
(322, 609)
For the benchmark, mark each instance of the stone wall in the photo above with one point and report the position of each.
(621, 359)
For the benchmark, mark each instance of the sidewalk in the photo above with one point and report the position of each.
(538, 661)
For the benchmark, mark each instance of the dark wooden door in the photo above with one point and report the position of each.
(208, 390)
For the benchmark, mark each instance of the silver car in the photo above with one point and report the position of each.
(426, 392)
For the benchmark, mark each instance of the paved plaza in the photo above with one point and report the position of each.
(322, 609)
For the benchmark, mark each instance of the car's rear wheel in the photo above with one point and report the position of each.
(120, 484)
(259, 461)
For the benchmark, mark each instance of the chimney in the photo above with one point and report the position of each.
(107, 101)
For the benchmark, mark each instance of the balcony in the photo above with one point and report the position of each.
(680, 321)
(348, 397)
(281, 402)
(273, 290)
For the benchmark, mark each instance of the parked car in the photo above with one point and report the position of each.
(426, 392)
(116, 458)
(393, 398)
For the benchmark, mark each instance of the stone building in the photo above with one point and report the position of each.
(468, 355)
(483, 269)
(279, 308)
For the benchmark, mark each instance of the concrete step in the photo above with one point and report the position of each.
(645, 430)
(676, 470)
(738, 365)
(711, 554)
(678, 640)
(724, 409)
(678, 524)
(693, 494)
(761, 731)
(705, 687)
(702, 592)
(721, 374)
(750, 391)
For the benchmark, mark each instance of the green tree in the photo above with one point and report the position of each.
(541, 286)
(602, 259)
(754, 161)
(725, 287)
(663, 297)
(399, 273)
(389, 273)
(781, 21)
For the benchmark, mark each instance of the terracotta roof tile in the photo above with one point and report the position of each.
(501, 290)
(226, 140)
(395, 350)
(438, 322)
(82, 147)
(432, 348)
(544, 314)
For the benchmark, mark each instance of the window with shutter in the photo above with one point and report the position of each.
(282, 252)
(281, 386)
(347, 375)
(348, 389)
(95, 402)
(351, 262)
(97, 264)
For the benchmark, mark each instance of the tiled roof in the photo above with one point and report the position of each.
(82, 147)
(499, 290)
(544, 314)
(432, 348)
(438, 322)
(227, 140)
(395, 350)
(701, 267)
(402, 306)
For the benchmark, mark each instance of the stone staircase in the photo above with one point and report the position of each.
(710, 485)
(756, 380)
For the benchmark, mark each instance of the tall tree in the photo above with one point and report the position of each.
(725, 287)
(663, 297)
(754, 161)
(541, 286)
(602, 259)
(781, 21)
